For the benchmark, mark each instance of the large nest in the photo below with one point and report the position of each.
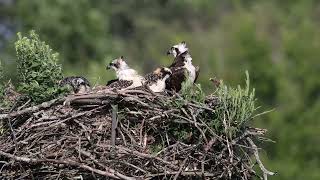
(130, 134)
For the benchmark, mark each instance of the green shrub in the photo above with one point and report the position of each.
(38, 68)
(236, 107)
(192, 92)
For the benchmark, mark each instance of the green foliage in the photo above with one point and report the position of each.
(236, 106)
(38, 68)
(192, 92)
(155, 148)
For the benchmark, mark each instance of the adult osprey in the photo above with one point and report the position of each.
(156, 81)
(182, 67)
(126, 76)
(78, 84)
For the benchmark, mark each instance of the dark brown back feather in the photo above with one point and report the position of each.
(174, 83)
(120, 84)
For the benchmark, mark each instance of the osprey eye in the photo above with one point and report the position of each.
(176, 49)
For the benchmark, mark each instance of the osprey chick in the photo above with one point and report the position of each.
(182, 67)
(156, 81)
(77, 83)
(182, 70)
(127, 77)
(177, 50)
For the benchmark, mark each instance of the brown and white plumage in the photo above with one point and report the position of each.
(156, 81)
(126, 76)
(78, 84)
(174, 83)
(119, 84)
(182, 67)
(177, 49)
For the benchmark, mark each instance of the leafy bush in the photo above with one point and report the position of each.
(38, 68)
(236, 107)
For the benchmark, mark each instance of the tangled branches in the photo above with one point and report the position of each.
(131, 134)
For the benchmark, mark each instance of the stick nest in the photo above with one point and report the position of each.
(130, 134)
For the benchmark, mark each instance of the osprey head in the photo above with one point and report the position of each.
(163, 72)
(117, 64)
(177, 49)
(78, 84)
(182, 59)
(166, 72)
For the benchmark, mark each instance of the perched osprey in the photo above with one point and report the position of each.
(77, 83)
(156, 81)
(126, 76)
(182, 67)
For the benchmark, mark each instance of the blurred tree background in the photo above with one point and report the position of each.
(277, 41)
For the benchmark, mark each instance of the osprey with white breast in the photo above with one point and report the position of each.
(127, 77)
(182, 67)
(156, 81)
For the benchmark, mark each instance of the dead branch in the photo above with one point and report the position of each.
(256, 154)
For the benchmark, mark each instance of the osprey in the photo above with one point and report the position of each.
(182, 67)
(156, 81)
(126, 76)
(77, 83)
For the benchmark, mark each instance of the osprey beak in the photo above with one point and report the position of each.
(168, 52)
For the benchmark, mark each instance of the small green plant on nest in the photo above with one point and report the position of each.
(192, 92)
(236, 107)
(38, 68)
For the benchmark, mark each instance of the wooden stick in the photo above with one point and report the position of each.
(256, 154)
(31, 109)
(112, 173)
(114, 124)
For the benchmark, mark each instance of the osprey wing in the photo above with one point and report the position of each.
(174, 82)
(120, 84)
(178, 61)
(197, 73)
(111, 81)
